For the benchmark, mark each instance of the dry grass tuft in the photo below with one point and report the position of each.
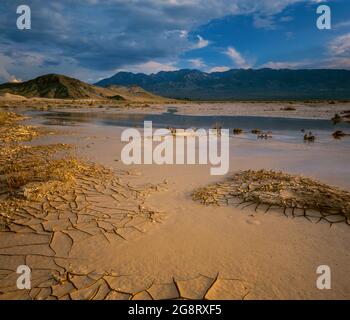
(49, 180)
(58, 201)
(11, 132)
(29, 171)
(281, 190)
(3, 117)
(9, 117)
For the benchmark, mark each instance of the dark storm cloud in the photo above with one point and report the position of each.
(104, 35)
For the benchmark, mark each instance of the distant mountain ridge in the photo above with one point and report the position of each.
(57, 86)
(241, 84)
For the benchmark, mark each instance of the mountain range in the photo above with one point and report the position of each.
(241, 84)
(61, 87)
(262, 84)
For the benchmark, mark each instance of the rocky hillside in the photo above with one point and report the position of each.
(239, 84)
(62, 87)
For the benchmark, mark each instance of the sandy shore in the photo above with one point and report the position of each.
(288, 109)
(302, 110)
(189, 250)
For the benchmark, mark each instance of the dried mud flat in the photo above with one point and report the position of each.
(52, 203)
(295, 196)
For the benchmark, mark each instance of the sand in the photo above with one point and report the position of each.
(302, 110)
(186, 250)
(11, 97)
(287, 109)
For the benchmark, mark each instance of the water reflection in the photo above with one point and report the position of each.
(173, 119)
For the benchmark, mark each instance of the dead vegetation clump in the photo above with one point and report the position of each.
(309, 137)
(339, 134)
(288, 109)
(3, 117)
(295, 195)
(30, 173)
(11, 132)
(37, 174)
(9, 117)
(15, 133)
(21, 165)
(59, 201)
(337, 118)
(237, 131)
(27, 167)
(256, 131)
(58, 185)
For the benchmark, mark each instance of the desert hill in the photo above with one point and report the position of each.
(62, 87)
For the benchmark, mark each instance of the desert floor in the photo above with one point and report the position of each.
(171, 246)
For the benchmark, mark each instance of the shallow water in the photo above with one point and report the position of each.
(189, 121)
(283, 129)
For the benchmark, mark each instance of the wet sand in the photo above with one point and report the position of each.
(286, 109)
(302, 110)
(190, 250)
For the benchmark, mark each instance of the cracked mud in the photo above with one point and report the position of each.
(294, 196)
(51, 203)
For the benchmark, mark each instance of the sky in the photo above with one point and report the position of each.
(94, 39)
